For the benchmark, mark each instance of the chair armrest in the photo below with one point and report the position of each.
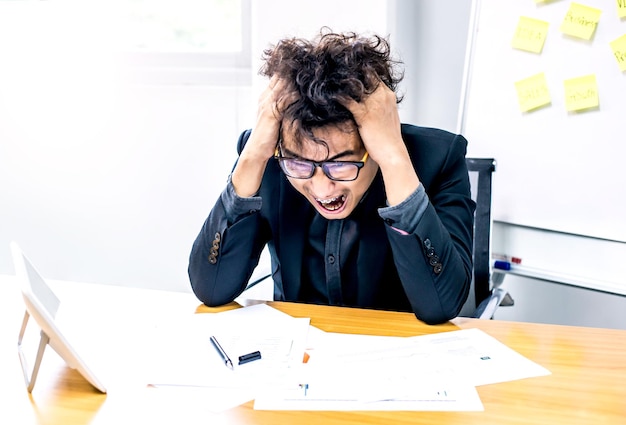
(499, 297)
(488, 307)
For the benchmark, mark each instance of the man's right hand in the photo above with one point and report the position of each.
(247, 175)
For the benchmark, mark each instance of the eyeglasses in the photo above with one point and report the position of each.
(342, 171)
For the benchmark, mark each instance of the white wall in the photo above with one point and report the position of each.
(120, 199)
(107, 176)
(431, 38)
(104, 176)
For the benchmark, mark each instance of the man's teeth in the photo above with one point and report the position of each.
(332, 204)
(327, 201)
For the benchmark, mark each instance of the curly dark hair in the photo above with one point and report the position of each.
(322, 71)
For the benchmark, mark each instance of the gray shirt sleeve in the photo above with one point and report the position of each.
(405, 216)
(236, 206)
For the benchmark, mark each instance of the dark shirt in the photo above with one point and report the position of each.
(329, 273)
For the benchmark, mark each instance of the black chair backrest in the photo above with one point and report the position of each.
(482, 168)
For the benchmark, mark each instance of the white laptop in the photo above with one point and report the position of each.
(42, 305)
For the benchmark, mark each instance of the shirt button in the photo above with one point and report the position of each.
(331, 259)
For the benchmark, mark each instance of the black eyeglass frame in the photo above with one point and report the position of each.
(359, 164)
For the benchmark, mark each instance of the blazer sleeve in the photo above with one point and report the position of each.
(226, 251)
(434, 262)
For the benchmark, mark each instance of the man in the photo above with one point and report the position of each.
(356, 208)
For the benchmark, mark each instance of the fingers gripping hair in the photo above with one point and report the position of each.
(320, 72)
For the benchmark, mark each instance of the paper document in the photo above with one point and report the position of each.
(470, 355)
(477, 357)
(185, 358)
(436, 372)
(368, 387)
(430, 372)
(324, 397)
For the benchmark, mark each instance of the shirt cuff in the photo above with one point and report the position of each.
(236, 206)
(405, 216)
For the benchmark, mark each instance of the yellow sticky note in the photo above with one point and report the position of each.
(530, 34)
(581, 21)
(621, 8)
(619, 50)
(581, 93)
(532, 92)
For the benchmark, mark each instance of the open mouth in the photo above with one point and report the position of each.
(332, 204)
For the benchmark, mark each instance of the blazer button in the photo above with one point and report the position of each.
(215, 247)
(433, 261)
(437, 268)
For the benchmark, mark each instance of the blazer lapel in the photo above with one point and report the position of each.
(294, 214)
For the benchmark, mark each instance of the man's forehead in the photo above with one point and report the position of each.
(306, 149)
(335, 137)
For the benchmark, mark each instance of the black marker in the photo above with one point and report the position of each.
(249, 357)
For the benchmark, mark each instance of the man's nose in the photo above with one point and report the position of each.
(320, 182)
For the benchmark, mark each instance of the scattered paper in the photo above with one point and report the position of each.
(436, 372)
(431, 372)
(184, 358)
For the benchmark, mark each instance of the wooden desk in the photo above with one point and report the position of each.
(587, 384)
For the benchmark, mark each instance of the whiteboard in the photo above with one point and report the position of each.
(556, 170)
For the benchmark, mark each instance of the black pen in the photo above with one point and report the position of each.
(221, 352)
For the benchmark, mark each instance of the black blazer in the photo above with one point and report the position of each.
(427, 272)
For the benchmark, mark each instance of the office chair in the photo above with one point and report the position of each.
(486, 295)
